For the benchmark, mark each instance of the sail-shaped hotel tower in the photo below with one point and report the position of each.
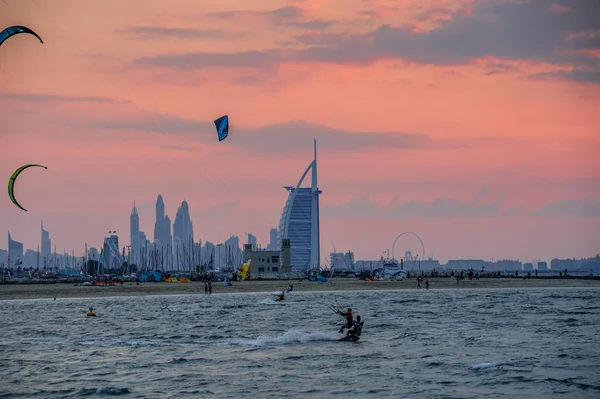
(300, 222)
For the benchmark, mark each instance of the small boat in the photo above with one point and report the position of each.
(390, 269)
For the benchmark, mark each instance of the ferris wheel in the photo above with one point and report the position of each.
(409, 253)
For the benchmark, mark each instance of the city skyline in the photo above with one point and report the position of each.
(446, 119)
(221, 254)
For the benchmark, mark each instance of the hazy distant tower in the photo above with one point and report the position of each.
(46, 246)
(183, 237)
(273, 245)
(162, 230)
(134, 231)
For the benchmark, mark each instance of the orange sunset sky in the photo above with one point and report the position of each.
(472, 123)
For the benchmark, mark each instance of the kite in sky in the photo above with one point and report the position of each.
(13, 178)
(222, 125)
(15, 30)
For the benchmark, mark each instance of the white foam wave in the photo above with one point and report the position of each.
(289, 337)
(481, 366)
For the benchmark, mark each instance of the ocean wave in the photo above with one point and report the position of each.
(483, 366)
(108, 391)
(289, 337)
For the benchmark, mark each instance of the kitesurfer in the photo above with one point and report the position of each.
(356, 328)
(291, 287)
(349, 320)
(281, 297)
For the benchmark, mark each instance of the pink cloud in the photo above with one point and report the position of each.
(492, 124)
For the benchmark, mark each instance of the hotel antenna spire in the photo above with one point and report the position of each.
(314, 168)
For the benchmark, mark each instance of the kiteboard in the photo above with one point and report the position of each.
(349, 338)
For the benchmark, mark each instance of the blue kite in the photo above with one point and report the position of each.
(15, 30)
(222, 125)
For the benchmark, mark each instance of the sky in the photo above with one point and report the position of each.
(473, 124)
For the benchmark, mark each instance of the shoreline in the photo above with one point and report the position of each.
(67, 290)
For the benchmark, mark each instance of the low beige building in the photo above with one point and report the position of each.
(268, 262)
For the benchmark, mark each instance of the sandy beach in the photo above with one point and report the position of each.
(50, 291)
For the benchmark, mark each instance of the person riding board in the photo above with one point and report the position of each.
(356, 328)
(291, 287)
(281, 297)
(349, 319)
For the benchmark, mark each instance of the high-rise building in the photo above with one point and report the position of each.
(542, 266)
(134, 234)
(183, 238)
(207, 256)
(163, 241)
(229, 256)
(15, 252)
(46, 246)
(342, 262)
(273, 246)
(111, 256)
(252, 241)
(300, 221)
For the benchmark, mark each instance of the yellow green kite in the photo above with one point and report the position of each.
(13, 178)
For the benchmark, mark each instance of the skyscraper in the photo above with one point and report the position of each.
(300, 221)
(15, 252)
(273, 246)
(252, 241)
(111, 256)
(163, 240)
(183, 237)
(207, 256)
(230, 255)
(46, 246)
(134, 234)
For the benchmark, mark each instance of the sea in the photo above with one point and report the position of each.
(463, 343)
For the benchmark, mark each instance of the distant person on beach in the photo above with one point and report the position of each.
(205, 287)
(418, 282)
(209, 287)
(457, 279)
(426, 287)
